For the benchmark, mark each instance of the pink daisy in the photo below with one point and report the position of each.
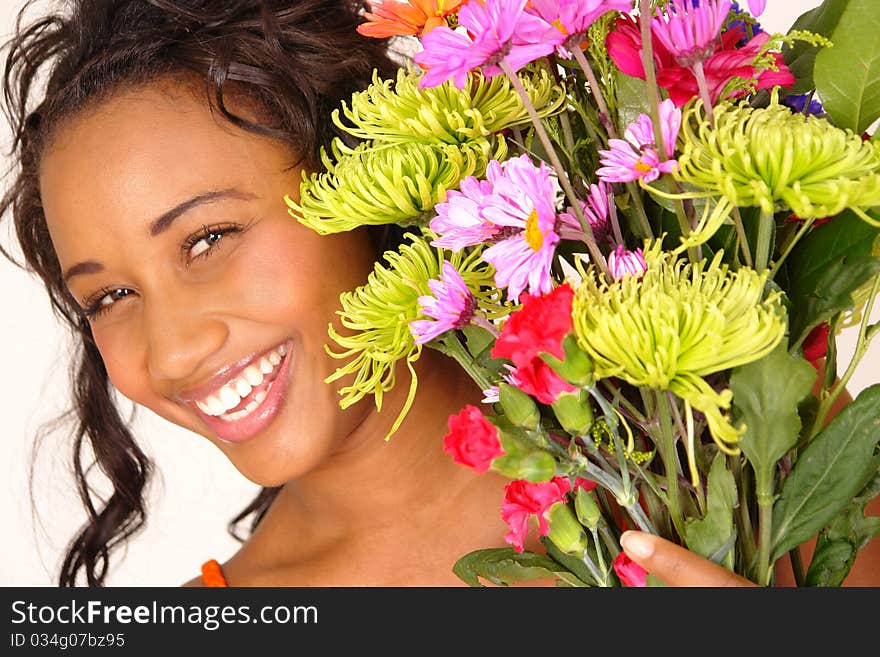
(637, 157)
(574, 17)
(690, 29)
(492, 31)
(451, 306)
(623, 263)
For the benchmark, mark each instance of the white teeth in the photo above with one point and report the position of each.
(253, 375)
(251, 406)
(242, 387)
(282, 350)
(229, 398)
(265, 366)
(260, 396)
(274, 358)
(211, 405)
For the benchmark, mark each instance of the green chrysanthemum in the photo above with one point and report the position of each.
(393, 184)
(677, 324)
(776, 159)
(379, 314)
(396, 111)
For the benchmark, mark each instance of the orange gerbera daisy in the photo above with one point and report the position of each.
(388, 18)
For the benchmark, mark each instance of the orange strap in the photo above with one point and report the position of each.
(212, 575)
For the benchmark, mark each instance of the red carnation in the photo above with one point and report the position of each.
(523, 499)
(816, 344)
(629, 572)
(537, 378)
(472, 440)
(538, 327)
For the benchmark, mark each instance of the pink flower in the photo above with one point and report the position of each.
(528, 237)
(574, 17)
(596, 210)
(756, 7)
(460, 221)
(629, 572)
(538, 327)
(586, 484)
(523, 499)
(689, 29)
(472, 440)
(728, 62)
(452, 306)
(626, 263)
(494, 30)
(636, 157)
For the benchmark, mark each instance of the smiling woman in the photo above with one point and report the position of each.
(148, 197)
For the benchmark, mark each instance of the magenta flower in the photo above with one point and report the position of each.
(452, 306)
(459, 220)
(756, 7)
(528, 237)
(493, 30)
(626, 263)
(574, 17)
(596, 211)
(636, 157)
(690, 29)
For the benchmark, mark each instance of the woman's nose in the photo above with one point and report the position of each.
(181, 335)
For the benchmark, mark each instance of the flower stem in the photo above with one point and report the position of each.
(766, 224)
(745, 534)
(864, 341)
(645, 14)
(483, 322)
(700, 74)
(765, 530)
(641, 213)
(452, 347)
(743, 238)
(604, 114)
(790, 246)
(669, 455)
(797, 566)
(595, 254)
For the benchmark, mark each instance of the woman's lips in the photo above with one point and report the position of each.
(241, 430)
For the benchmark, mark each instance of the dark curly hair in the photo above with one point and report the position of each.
(295, 59)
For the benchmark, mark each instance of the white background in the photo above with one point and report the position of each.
(196, 490)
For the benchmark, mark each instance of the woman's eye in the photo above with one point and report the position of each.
(203, 242)
(101, 302)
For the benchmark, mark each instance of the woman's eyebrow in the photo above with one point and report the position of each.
(164, 222)
(167, 218)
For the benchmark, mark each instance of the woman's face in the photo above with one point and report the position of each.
(210, 303)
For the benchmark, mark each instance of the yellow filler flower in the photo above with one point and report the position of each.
(675, 325)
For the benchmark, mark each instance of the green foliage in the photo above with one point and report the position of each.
(829, 473)
(801, 56)
(506, 566)
(713, 535)
(847, 76)
(827, 266)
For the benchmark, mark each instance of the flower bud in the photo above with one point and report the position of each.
(533, 465)
(565, 530)
(586, 508)
(518, 407)
(576, 368)
(574, 412)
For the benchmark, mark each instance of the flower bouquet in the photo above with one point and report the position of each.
(639, 229)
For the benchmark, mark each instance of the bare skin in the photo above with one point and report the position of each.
(354, 510)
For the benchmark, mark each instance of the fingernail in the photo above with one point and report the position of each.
(637, 544)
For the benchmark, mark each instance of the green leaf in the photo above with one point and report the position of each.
(840, 541)
(573, 564)
(506, 566)
(801, 57)
(632, 100)
(829, 473)
(825, 268)
(766, 394)
(713, 535)
(847, 75)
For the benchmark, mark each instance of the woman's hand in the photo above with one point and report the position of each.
(674, 565)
